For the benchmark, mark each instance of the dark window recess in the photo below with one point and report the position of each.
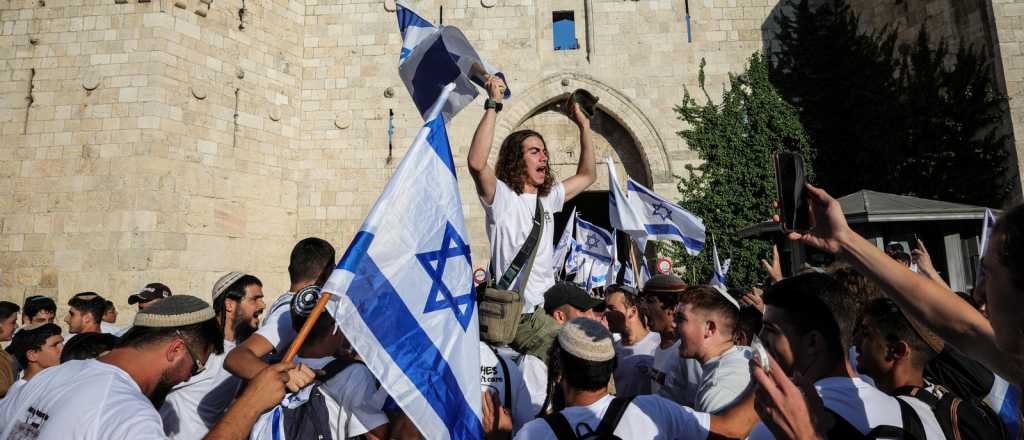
(563, 26)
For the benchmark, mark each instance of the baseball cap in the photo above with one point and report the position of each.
(567, 293)
(150, 292)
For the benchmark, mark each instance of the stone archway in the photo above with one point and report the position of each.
(621, 129)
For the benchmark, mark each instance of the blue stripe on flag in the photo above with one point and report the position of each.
(438, 140)
(670, 229)
(599, 257)
(400, 335)
(407, 18)
(1009, 412)
(601, 232)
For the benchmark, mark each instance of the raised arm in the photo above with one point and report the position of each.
(586, 171)
(482, 173)
(920, 297)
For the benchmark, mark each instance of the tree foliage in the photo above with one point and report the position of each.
(734, 185)
(907, 119)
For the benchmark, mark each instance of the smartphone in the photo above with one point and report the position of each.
(795, 212)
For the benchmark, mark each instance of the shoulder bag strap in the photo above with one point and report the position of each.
(560, 426)
(612, 416)
(528, 251)
(508, 379)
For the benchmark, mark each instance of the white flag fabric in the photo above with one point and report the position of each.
(564, 243)
(628, 278)
(664, 220)
(718, 277)
(622, 214)
(595, 255)
(405, 296)
(572, 262)
(433, 57)
(986, 230)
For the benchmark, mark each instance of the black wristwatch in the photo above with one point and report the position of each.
(490, 103)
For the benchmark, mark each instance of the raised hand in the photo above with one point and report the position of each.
(775, 267)
(829, 227)
(495, 87)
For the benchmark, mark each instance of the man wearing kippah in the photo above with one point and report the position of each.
(112, 398)
(586, 359)
(194, 406)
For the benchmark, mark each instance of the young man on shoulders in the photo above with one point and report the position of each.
(706, 325)
(509, 191)
(311, 262)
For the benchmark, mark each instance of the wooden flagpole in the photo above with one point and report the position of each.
(632, 260)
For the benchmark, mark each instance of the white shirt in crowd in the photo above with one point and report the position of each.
(632, 375)
(724, 381)
(666, 361)
(194, 406)
(864, 407)
(535, 374)
(106, 327)
(646, 417)
(492, 378)
(509, 221)
(352, 402)
(276, 328)
(81, 400)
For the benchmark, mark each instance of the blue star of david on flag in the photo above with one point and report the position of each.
(440, 296)
(592, 241)
(662, 211)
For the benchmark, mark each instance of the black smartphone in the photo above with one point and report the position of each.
(794, 210)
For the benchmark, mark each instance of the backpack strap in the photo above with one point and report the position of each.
(912, 426)
(612, 416)
(524, 258)
(508, 380)
(560, 426)
(842, 429)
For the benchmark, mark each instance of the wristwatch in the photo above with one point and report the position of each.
(490, 103)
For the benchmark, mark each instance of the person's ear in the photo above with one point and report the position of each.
(229, 305)
(175, 350)
(710, 329)
(32, 355)
(814, 344)
(558, 315)
(897, 350)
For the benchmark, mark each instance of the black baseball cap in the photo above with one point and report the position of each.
(567, 293)
(150, 292)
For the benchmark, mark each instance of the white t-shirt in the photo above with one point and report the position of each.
(725, 379)
(194, 406)
(632, 375)
(106, 327)
(535, 374)
(492, 377)
(354, 389)
(276, 328)
(666, 361)
(863, 406)
(509, 221)
(14, 386)
(646, 417)
(80, 400)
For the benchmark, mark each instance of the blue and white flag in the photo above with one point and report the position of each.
(664, 220)
(433, 57)
(564, 243)
(718, 277)
(622, 214)
(572, 262)
(595, 254)
(405, 296)
(1004, 398)
(630, 280)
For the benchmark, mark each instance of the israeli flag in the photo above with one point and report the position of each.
(572, 262)
(405, 296)
(595, 254)
(718, 277)
(622, 214)
(1004, 398)
(664, 220)
(564, 242)
(630, 280)
(432, 58)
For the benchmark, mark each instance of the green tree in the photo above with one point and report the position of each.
(906, 119)
(734, 185)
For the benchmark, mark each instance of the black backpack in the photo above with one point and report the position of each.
(605, 430)
(311, 421)
(912, 428)
(960, 419)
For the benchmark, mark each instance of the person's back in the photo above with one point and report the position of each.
(194, 406)
(646, 417)
(80, 400)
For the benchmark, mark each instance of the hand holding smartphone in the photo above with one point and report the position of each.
(790, 180)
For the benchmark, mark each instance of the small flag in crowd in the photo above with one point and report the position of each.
(620, 212)
(595, 254)
(415, 269)
(433, 57)
(564, 243)
(718, 277)
(664, 220)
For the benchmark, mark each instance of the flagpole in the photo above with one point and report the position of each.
(307, 327)
(632, 260)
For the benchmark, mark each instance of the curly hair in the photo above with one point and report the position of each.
(511, 165)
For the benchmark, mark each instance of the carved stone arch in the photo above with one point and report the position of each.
(612, 105)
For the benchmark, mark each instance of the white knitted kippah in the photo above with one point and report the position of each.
(175, 311)
(586, 339)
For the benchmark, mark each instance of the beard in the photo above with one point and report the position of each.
(162, 389)
(242, 325)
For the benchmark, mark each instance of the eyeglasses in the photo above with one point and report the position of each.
(197, 365)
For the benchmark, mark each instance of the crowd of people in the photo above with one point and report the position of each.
(864, 348)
